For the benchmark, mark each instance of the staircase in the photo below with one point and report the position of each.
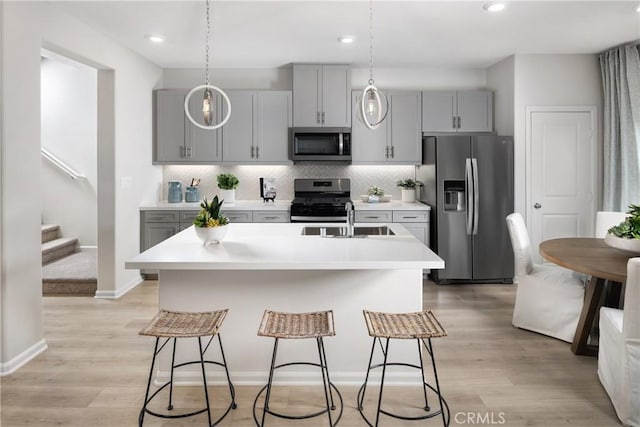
(65, 270)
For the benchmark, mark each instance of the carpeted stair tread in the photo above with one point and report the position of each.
(77, 267)
(49, 232)
(58, 243)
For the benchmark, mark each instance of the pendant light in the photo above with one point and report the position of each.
(374, 105)
(208, 98)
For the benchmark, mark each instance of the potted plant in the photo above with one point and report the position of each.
(409, 187)
(626, 235)
(228, 183)
(210, 224)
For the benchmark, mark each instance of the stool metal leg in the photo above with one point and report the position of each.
(325, 382)
(232, 390)
(384, 369)
(435, 374)
(366, 378)
(269, 383)
(204, 380)
(424, 381)
(173, 363)
(326, 367)
(146, 395)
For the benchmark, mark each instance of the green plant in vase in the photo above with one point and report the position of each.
(630, 227)
(210, 224)
(227, 183)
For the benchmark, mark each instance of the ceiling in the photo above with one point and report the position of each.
(418, 34)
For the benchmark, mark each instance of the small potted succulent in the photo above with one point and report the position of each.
(409, 187)
(227, 183)
(211, 226)
(626, 235)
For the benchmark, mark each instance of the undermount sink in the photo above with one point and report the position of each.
(361, 231)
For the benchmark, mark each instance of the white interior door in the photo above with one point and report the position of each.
(561, 173)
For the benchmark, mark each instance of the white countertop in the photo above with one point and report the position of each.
(238, 205)
(283, 205)
(283, 247)
(393, 205)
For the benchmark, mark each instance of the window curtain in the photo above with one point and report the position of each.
(620, 69)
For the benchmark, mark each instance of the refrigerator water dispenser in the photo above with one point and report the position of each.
(454, 195)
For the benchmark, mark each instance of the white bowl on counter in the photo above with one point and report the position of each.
(211, 235)
(385, 198)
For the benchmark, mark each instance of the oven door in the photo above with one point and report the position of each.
(317, 213)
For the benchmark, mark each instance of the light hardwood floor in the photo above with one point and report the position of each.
(94, 372)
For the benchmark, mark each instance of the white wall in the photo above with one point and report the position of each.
(552, 80)
(282, 78)
(26, 28)
(500, 79)
(69, 132)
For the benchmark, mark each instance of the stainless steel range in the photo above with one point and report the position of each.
(320, 200)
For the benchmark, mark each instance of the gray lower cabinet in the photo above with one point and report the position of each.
(270, 216)
(398, 140)
(374, 216)
(417, 222)
(176, 139)
(156, 226)
(457, 111)
(258, 129)
(238, 216)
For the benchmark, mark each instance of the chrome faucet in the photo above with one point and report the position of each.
(351, 218)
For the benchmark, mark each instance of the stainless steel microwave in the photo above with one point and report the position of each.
(320, 144)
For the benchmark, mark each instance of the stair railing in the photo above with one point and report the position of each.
(62, 165)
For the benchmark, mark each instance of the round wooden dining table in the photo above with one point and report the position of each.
(590, 256)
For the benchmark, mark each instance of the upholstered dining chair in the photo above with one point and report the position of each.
(549, 298)
(607, 219)
(619, 350)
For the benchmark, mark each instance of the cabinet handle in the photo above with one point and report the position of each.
(257, 152)
(270, 217)
(458, 122)
(392, 152)
(386, 152)
(318, 117)
(189, 150)
(373, 217)
(323, 117)
(454, 122)
(409, 217)
(252, 148)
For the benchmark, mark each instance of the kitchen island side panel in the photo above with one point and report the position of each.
(248, 293)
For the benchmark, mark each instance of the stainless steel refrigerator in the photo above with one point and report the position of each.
(469, 185)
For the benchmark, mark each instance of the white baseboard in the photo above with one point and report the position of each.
(93, 249)
(8, 368)
(115, 294)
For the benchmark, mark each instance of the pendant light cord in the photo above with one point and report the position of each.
(206, 68)
(370, 42)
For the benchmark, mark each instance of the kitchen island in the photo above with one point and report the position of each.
(274, 266)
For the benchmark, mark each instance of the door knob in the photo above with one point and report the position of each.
(537, 206)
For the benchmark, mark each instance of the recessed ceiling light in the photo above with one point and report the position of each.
(346, 39)
(156, 38)
(494, 6)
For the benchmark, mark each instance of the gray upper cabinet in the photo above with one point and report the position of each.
(177, 140)
(462, 111)
(397, 140)
(321, 95)
(257, 131)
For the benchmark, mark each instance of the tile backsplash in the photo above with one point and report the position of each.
(362, 177)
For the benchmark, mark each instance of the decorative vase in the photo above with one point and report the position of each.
(409, 195)
(629, 246)
(229, 196)
(175, 192)
(211, 234)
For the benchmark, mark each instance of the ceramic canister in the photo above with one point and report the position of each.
(175, 192)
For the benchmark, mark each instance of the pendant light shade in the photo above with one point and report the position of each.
(210, 93)
(374, 105)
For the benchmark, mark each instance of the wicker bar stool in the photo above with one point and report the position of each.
(421, 326)
(298, 326)
(172, 325)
